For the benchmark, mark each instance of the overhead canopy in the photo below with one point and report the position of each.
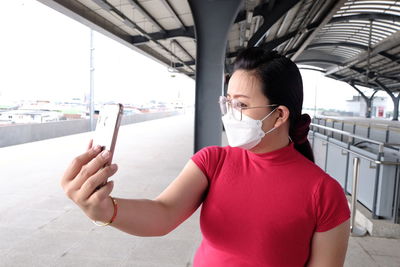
(353, 41)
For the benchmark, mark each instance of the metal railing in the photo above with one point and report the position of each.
(355, 231)
(387, 128)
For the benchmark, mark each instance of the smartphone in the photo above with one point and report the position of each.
(106, 132)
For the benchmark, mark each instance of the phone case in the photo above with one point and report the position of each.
(107, 127)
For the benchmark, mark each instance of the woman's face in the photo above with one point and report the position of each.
(247, 88)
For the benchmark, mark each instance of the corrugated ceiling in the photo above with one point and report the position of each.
(353, 41)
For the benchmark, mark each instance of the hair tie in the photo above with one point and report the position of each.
(301, 128)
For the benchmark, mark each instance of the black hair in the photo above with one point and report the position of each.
(282, 85)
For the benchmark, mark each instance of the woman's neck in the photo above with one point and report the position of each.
(271, 142)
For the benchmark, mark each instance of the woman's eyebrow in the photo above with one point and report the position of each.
(236, 96)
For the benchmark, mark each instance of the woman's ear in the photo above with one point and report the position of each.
(283, 115)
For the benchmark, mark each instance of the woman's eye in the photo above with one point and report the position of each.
(242, 105)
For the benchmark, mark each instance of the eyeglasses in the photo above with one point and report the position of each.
(235, 107)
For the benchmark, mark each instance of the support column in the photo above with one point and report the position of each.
(212, 21)
(368, 100)
(395, 100)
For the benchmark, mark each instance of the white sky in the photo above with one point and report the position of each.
(45, 55)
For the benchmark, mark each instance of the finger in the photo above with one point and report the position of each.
(89, 186)
(89, 145)
(91, 168)
(103, 193)
(76, 165)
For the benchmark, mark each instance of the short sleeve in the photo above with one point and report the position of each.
(331, 205)
(207, 159)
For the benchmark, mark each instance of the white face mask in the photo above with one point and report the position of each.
(246, 133)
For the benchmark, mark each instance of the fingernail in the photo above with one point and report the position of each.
(105, 154)
(97, 148)
(114, 167)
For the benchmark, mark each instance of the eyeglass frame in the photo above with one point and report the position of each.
(225, 103)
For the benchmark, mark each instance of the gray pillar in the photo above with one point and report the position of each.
(368, 100)
(369, 108)
(212, 20)
(396, 108)
(369, 104)
(394, 99)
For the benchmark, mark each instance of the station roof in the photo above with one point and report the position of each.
(353, 41)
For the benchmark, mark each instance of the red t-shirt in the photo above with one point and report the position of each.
(263, 209)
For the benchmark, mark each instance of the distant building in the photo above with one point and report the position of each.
(380, 104)
(29, 116)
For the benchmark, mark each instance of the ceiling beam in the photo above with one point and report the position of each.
(276, 42)
(173, 12)
(258, 11)
(366, 17)
(383, 46)
(317, 60)
(355, 81)
(183, 49)
(305, 20)
(186, 63)
(371, 75)
(345, 44)
(187, 32)
(388, 56)
(184, 31)
(270, 17)
(142, 10)
(391, 57)
(332, 11)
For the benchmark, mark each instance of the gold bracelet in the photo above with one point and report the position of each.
(115, 204)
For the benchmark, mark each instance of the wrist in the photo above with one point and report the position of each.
(110, 213)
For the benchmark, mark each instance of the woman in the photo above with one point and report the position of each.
(265, 203)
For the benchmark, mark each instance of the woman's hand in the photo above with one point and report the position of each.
(82, 178)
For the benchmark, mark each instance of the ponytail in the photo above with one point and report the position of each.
(299, 134)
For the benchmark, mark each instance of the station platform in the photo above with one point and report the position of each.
(39, 226)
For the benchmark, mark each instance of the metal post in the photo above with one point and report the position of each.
(326, 152)
(355, 231)
(396, 206)
(346, 177)
(313, 138)
(341, 135)
(91, 96)
(376, 186)
(387, 134)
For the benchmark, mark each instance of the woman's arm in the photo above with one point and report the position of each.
(142, 217)
(328, 249)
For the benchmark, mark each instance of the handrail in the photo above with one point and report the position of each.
(381, 144)
(361, 123)
(382, 162)
(355, 231)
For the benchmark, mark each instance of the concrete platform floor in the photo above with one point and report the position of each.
(39, 226)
